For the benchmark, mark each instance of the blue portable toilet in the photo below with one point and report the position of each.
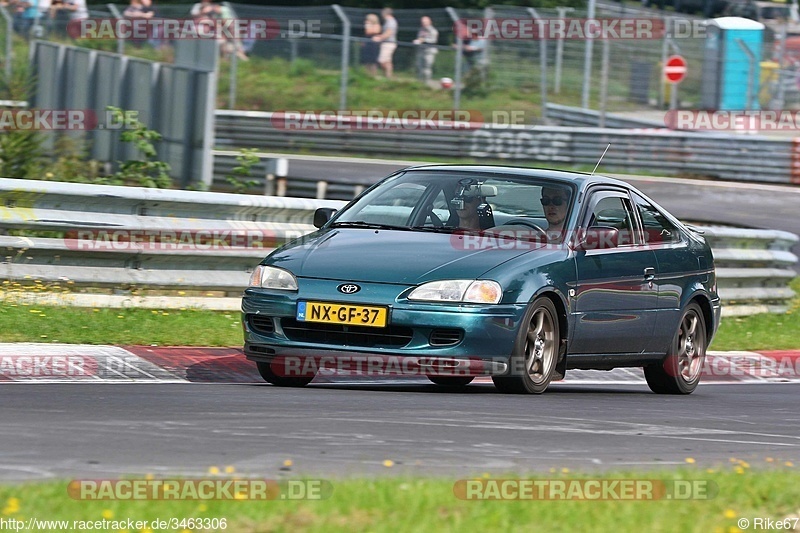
(727, 66)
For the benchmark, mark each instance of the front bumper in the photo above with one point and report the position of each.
(489, 332)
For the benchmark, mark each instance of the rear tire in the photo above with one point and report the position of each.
(451, 381)
(680, 371)
(535, 355)
(269, 375)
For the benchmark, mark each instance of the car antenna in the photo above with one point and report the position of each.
(601, 158)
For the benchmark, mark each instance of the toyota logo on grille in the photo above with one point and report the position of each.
(349, 288)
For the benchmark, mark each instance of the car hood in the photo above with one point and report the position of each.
(392, 256)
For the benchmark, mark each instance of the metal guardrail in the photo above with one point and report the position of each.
(563, 115)
(179, 219)
(753, 266)
(729, 157)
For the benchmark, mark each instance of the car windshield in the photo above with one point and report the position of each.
(451, 200)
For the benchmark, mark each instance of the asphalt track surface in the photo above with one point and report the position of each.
(753, 205)
(50, 430)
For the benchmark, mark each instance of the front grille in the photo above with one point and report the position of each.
(446, 336)
(394, 336)
(262, 324)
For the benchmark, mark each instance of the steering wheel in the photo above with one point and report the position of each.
(527, 223)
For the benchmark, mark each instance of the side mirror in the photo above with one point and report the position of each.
(322, 215)
(598, 238)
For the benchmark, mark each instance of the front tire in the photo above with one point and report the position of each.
(269, 375)
(452, 381)
(535, 355)
(680, 371)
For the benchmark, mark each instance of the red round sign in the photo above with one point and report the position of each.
(675, 69)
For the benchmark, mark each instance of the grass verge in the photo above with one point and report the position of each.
(419, 504)
(762, 332)
(189, 327)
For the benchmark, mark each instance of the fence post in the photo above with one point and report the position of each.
(662, 84)
(542, 67)
(604, 84)
(562, 13)
(345, 55)
(587, 60)
(9, 42)
(459, 58)
(276, 168)
(751, 60)
(781, 52)
(120, 38)
(234, 65)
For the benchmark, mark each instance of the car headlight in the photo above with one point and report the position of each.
(267, 277)
(459, 290)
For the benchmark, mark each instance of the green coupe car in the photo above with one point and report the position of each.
(453, 272)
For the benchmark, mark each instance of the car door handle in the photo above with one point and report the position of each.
(649, 274)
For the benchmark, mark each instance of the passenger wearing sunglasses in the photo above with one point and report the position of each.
(555, 202)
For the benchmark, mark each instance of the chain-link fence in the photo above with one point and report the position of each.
(622, 75)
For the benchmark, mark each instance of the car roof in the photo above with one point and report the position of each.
(579, 179)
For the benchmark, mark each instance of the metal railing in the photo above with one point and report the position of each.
(196, 251)
(754, 268)
(562, 115)
(723, 156)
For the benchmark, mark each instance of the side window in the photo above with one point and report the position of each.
(614, 211)
(657, 228)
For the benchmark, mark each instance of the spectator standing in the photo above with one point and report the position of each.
(136, 10)
(231, 45)
(388, 40)
(475, 53)
(371, 49)
(204, 10)
(207, 11)
(60, 13)
(78, 8)
(426, 40)
(28, 12)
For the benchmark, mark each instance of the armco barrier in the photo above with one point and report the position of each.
(754, 266)
(261, 222)
(564, 115)
(724, 156)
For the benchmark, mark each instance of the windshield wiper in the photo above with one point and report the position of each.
(435, 229)
(368, 225)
